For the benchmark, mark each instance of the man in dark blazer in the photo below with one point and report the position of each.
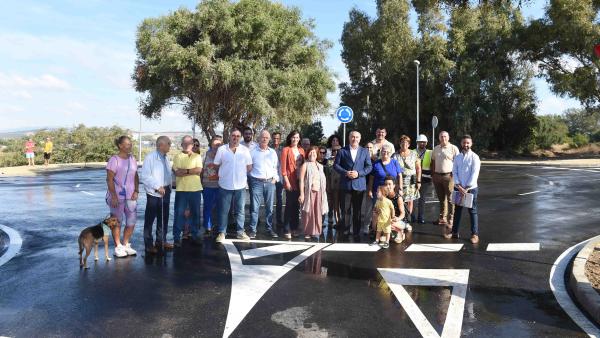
(353, 162)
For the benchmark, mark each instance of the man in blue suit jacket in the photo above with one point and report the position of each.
(353, 162)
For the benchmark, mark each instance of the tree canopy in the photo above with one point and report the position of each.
(249, 62)
(477, 63)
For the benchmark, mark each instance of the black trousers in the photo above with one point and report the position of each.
(351, 202)
(156, 208)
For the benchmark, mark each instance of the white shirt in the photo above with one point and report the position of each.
(250, 145)
(353, 153)
(264, 163)
(465, 169)
(156, 173)
(232, 167)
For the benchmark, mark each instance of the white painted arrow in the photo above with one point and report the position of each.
(250, 282)
(457, 279)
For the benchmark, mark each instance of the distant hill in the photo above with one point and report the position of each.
(17, 133)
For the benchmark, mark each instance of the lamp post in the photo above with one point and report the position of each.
(417, 63)
(140, 136)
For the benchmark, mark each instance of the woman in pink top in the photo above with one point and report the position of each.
(30, 152)
(123, 188)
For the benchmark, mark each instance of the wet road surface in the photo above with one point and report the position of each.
(327, 293)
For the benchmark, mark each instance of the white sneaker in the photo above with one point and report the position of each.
(120, 251)
(220, 238)
(129, 250)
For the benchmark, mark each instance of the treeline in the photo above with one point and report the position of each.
(477, 63)
(577, 127)
(75, 145)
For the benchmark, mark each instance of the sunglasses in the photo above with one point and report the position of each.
(323, 152)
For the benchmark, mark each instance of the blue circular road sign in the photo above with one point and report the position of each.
(344, 114)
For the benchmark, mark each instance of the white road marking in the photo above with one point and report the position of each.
(88, 193)
(438, 247)
(250, 282)
(352, 247)
(557, 284)
(15, 242)
(592, 170)
(529, 193)
(78, 185)
(427, 202)
(268, 242)
(456, 278)
(513, 247)
(272, 250)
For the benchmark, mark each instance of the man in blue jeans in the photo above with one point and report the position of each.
(262, 180)
(187, 167)
(234, 163)
(465, 172)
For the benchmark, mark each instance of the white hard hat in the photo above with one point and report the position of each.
(422, 138)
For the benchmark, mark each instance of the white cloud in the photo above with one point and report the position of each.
(555, 105)
(17, 83)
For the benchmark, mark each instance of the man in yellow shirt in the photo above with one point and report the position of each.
(187, 167)
(48, 147)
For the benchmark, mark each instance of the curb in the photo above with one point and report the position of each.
(561, 164)
(581, 286)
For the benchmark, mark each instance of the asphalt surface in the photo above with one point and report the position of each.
(340, 294)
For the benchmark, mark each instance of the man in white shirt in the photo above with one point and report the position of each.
(157, 179)
(234, 163)
(379, 141)
(262, 181)
(465, 172)
(248, 141)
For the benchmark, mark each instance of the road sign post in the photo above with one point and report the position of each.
(434, 124)
(344, 114)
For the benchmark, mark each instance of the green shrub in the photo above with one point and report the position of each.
(579, 140)
(551, 129)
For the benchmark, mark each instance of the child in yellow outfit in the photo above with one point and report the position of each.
(383, 212)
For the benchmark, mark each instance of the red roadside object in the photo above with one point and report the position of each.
(597, 50)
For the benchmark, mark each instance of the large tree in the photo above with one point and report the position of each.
(248, 62)
(471, 76)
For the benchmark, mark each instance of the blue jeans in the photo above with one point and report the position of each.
(211, 195)
(239, 200)
(266, 190)
(472, 213)
(183, 200)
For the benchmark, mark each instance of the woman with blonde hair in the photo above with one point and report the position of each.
(313, 195)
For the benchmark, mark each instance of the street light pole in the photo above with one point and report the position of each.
(417, 63)
(140, 136)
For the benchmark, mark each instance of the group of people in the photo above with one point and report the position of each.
(330, 191)
(30, 151)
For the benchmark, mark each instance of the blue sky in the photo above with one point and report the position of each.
(66, 62)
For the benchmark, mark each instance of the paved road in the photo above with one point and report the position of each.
(314, 292)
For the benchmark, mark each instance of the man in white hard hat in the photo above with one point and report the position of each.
(426, 185)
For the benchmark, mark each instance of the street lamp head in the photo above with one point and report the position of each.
(417, 62)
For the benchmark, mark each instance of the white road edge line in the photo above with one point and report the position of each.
(88, 193)
(558, 287)
(14, 245)
(529, 193)
(513, 247)
(438, 247)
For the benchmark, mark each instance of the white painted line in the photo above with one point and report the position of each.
(557, 284)
(14, 245)
(513, 247)
(250, 282)
(269, 242)
(352, 247)
(427, 202)
(272, 250)
(78, 185)
(456, 278)
(439, 247)
(529, 193)
(88, 193)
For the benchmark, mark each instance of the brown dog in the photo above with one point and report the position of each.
(91, 236)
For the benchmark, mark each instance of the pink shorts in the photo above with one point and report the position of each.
(127, 208)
